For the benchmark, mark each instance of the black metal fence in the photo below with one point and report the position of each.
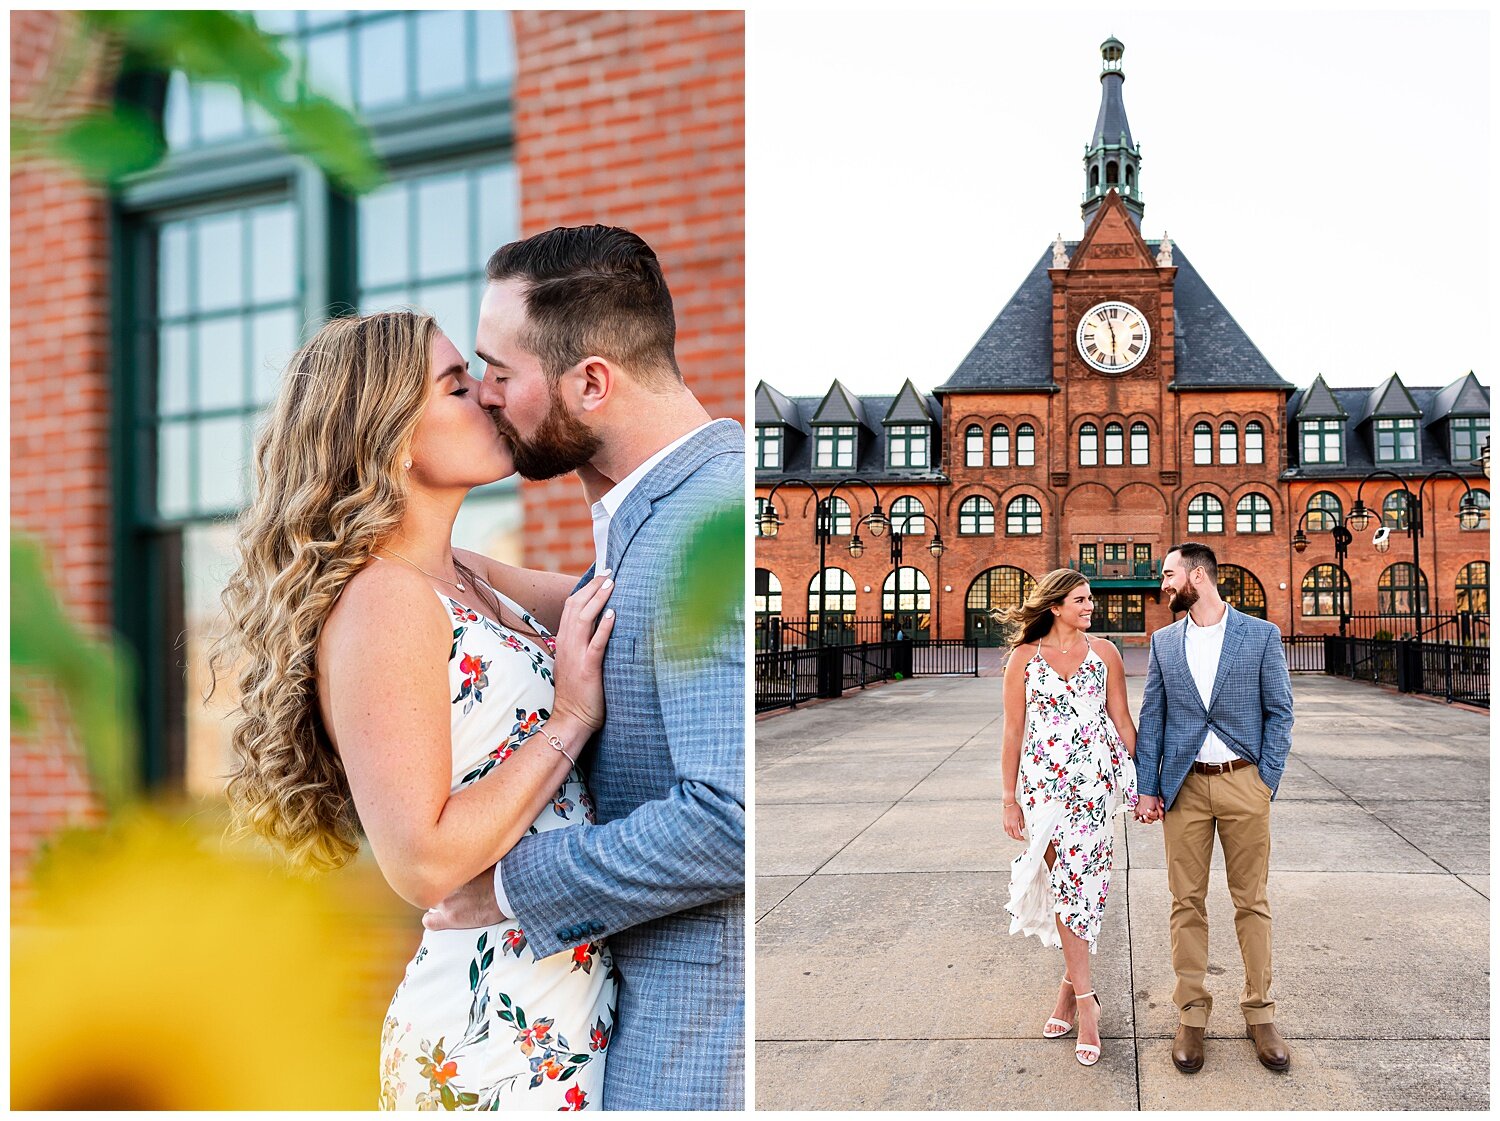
(777, 633)
(1304, 652)
(786, 678)
(1451, 670)
(1465, 628)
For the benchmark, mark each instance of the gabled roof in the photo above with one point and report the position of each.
(840, 406)
(1316, 402)
(1212, 350)
(774, 407)
(1359, 443)
(872, 447)
(909, 407)
(1463, 397)
(1388, 399)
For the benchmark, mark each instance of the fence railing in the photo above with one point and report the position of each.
(778, 633)
(788, 677)
(1451, 670)
(1304, 652)
(1463, 627)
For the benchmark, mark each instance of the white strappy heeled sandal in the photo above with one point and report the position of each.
(1055, 1028)
(1088, 1054)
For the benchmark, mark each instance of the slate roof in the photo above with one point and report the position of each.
(1112, 120)
(774, 407)
(1212, 351)
(870, 464)
(1359, 438)
(839, 406)
(1318, 401)
(910, 407)
(1462, 397)
(1388, 399)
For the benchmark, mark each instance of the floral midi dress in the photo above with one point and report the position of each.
(480, 1022)
(1075, 775)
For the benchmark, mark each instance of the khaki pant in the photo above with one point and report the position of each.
(1239, 805)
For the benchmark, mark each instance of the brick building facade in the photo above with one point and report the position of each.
(629, 118)
(1112, 408)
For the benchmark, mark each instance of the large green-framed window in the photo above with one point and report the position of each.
(1466, 436)
(1396, 441)
(229, 255)
(1322, 441)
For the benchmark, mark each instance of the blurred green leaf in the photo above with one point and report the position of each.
(711, 590)
(206, 46)
(93, 678)
(107, 144)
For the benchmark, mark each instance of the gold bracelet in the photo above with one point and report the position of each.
(1008, 805)
(557, 746)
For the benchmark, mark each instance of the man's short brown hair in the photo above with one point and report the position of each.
(593, 290)
(1196, 555)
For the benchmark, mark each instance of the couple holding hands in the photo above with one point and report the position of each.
(1215, 730)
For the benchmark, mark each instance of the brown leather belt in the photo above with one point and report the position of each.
(1220, 768)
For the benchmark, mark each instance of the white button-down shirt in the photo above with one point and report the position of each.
(1203, 646)
(604, 511)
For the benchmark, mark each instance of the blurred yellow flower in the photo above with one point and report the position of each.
(153, 968)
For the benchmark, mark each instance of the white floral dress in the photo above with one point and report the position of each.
(479, 1022)
(1075, 775)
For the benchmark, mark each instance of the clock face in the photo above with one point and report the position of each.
(1113, 337)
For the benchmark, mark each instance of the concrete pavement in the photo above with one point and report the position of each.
(886, 979)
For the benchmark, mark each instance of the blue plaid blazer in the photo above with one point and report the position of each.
(1250, 708)
(661, 873)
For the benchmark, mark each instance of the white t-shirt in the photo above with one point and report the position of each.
(1203, 646)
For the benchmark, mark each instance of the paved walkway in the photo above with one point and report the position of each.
(884, 977)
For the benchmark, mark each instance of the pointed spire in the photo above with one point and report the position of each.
(1112, 158)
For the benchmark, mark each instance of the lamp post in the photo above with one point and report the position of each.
(898, 532)
(770, 522)
(1360, 516)
(1341, 539)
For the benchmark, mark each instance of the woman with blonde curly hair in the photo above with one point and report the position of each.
(394, 686)
(1069, 739)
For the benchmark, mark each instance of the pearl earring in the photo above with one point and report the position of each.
(407, 465)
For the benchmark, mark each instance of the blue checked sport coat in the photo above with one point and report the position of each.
(1250, 708)
(661, 873)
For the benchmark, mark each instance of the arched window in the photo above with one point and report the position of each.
(1205, 514)
(1025, 446)
(1393, 595)
(1229, 443)
(1088, 446)
(1240, 587)
(976, 517)
(1203, 442)
(993, 591)
(1111, 172)
(1395, 511)
(1114, 445)
(1094, 177)
(1471, 591)
(908, 517)
(973, 446)
(840, 592)
(1255, 442)
(1324, 511)
(1324, 589)
(906, 603)
(1129, 178)
(843, 522)
(1140, 443)
(1252, 514)
(1023, 517)
(767, 608)
(1483, 498)
(1000, 446)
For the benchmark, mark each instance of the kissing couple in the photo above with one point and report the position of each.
(537, 760)
(1215, 731)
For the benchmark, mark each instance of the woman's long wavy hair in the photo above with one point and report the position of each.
(1032, 620)
(329, 487)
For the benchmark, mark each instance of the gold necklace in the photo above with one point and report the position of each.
(424, 572)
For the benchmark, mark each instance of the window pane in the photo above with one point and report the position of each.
(221, 269)
(454, 307)
(208, 557)
(177, 120)
(221, 114)
(384, 241)
(273, 274)
(442, 204)
(220, 463)
(173, 476)
(221, 364)
(172, 269)
(328, 65)
(173, 370)
(382, 63)
(499, 207)
(442, 53)
(273, 341)
(495, 47)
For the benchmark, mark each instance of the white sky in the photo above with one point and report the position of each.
(1327, 174)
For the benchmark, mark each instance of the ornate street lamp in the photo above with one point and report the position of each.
(1341, 539)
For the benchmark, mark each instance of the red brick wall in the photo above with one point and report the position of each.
(59, 413)
(638, 119)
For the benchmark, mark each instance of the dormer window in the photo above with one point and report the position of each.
(835, 447)
(769, 439)
(907, 445)
(1322, 441)
(1396, 441)
(1466, 436)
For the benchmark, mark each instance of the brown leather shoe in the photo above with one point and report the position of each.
(1187, 1049)
(1270, 1048)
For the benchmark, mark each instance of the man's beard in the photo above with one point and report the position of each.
(1181, 600)
(561, 443)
